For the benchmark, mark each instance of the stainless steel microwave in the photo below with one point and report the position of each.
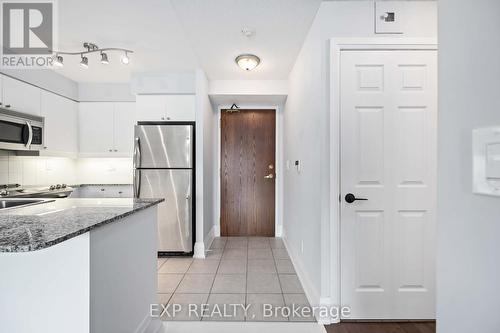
(20, 131)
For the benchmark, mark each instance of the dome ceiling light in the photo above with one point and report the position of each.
(91, 48)
(247, 62)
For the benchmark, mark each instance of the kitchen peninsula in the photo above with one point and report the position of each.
(78, 265)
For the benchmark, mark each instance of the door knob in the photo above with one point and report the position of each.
(350, 198)
(269, 176)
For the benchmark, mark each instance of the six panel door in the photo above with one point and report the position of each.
(388, 156)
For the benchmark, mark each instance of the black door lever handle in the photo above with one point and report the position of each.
(350, 198)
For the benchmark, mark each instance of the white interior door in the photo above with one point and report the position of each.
(388, 156)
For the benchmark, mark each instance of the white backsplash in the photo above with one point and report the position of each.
(37, 170)
(57, 170)
(104, 170)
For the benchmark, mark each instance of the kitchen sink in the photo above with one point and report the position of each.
(5, 204)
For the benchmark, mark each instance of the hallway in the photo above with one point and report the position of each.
(238, 272)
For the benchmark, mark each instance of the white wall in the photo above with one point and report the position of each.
(468, 298)
(306, 131)
(205, 154)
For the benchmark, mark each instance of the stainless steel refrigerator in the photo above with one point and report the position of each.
(164, 168)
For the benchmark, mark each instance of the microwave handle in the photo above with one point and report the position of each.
(30, 134)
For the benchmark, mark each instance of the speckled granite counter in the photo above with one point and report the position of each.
(36, 227)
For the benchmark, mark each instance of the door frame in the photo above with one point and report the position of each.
(337, 45)
(278, 193)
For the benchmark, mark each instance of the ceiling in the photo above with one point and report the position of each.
(149, 27)
(182, 35)
(214, 29)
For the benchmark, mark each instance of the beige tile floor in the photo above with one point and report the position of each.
(242, 271)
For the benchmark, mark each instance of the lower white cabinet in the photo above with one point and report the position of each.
(61, 125)
(106, 129)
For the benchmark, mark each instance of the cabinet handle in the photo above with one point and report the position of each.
(111, 150)
(168, 118)
(0, 103)
(7, 105)
(45, 147)
(162, 118)
(116, 150)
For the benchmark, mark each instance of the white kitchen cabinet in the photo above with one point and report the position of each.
(165, 107)
(180, 107)
(61, 125)
(123, 134)
(20, 96)
(151, 107)
(106, 129)
(95, 128)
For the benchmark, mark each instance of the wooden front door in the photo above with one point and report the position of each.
(248, 173)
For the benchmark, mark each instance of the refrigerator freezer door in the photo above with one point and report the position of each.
(175, 213)
(163, 146)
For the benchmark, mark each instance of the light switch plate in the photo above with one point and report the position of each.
(486, 160)
(389, 17)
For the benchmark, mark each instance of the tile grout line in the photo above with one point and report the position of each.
(215, 276)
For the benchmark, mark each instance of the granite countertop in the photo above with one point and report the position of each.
(39, 226)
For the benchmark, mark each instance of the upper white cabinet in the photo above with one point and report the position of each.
(165, 107)
(124, 122)
(20, 96)
(61, 125)
(106, 129)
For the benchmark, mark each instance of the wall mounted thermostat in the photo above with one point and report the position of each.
(486, 160)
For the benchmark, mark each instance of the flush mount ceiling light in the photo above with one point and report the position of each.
(247, 61)
(90, 48)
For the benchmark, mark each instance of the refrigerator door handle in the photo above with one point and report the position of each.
(137, 159)
(137, 183)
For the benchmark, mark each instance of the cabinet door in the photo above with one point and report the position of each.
(20, 96)
(180, 107)
(124, 121)
(151, 107)
(96, 128)
(61, 123)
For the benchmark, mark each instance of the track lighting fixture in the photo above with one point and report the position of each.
(58, 61)
(104, 58)
(85, 62)
(91, 48)
(125, 59)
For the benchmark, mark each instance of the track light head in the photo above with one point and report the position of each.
(125, 59)
(58, 61)
(85, 62)
(104, 58)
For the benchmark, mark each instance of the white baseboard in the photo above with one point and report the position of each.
(216, 230)
(311, 292)
(210, 238)
(279, 231)
(199, 250)
(149, 325)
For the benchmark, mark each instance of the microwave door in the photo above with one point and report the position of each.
(163, 146)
